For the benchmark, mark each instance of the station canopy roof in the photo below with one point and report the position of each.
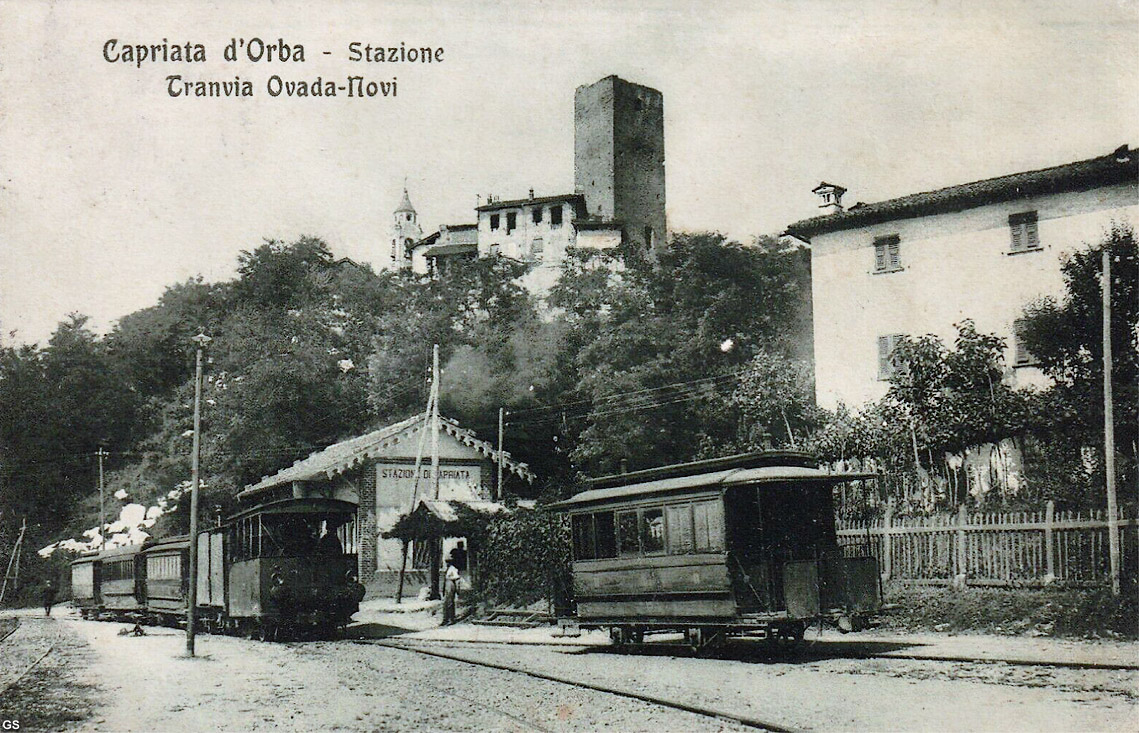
(334, 460)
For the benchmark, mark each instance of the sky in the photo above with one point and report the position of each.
(111, 190)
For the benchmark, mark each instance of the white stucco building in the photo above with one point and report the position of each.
(921, 263)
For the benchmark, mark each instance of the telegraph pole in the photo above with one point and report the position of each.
(1109, 426)
(501, 424)
(191, 605)
(435, 423)
(101, 453)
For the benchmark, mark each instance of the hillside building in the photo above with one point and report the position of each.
(921, 263)
(619, 196)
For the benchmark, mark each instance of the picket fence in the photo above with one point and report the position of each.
(992, 548)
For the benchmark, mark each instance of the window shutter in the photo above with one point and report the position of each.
(1017, 238)
(879, 257)
(894, 260)
(1032, 236)
(883, 357)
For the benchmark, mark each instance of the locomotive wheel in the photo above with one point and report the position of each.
(619, 635)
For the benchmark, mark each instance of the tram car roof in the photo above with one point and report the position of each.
(296, 506)
(88, 556)
(177, 542)
(767, 467)
(123, 551)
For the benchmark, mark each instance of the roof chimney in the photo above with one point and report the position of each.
(531, 194)
(830, 196)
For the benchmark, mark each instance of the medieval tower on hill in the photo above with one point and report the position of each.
(618, 196)
(619, 157)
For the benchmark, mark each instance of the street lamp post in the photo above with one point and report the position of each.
(192, 601)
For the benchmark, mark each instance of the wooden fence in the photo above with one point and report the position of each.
(990, 548)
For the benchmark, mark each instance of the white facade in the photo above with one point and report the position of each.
(534, 230)
(949, 267)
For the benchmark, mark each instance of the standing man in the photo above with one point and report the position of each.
(450, 590)
(49, 597)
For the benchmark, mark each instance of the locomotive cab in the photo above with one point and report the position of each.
(291, 561)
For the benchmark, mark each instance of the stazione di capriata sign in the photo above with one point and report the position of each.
(396, 484)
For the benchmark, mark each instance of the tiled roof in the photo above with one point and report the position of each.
(573, 198)
(1118, 167)
(438, 250)
(345, 455)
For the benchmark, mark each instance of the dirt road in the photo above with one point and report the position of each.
(122, 683)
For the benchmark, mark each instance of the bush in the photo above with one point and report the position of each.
(526, 558)
(1039, 612)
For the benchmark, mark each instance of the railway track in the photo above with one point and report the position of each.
(7, 630)
(854, 655)
(720, 715)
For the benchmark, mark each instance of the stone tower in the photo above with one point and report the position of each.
(405, 232)
(619, 157)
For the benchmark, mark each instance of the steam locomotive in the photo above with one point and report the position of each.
(281, 569)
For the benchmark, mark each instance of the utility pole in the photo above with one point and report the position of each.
(501, 424)
(1109, 426)
(437, 543)
(101, 453)
(435, 422)
(192, 602)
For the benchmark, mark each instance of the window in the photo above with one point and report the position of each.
(652, 531)
(511, 221)
(606, 534)
(536, 214)
(594, 536)
(708, 519)
(680, 529)
(886, 257)
(494, 221)
(649, 237)
(1021, 355)
(495, 250)
(1022, 229)
(628, 539)
(555, 216)
(886, 345)
(536, 247)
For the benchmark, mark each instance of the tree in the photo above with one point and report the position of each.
(1066, 338)
(656, 347)
(776, 395)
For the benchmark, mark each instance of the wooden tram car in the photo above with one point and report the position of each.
(738, 546)
(288, 566)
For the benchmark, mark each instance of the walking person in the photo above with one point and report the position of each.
(48, 597)
(450, 591)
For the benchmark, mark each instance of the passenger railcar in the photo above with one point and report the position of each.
(743, 545)
(121, 575)
(284, 567)
(85, 584)
(166, 583)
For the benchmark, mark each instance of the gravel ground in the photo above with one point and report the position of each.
(844, 694)
(239, 685)
(40, 685)
(94, 679)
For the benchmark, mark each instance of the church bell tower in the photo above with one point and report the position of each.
(405, 232)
